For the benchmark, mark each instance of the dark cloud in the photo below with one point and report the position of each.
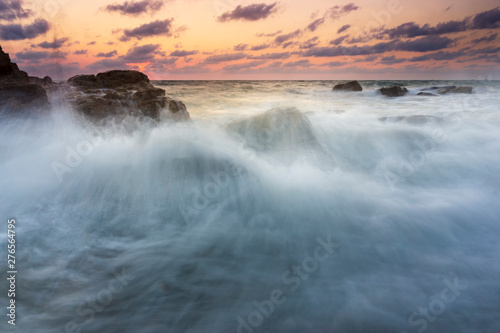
(92, 42)
(272, 56)
(136, 8)
(424, 44)
(20, 32)
(299, 63)
(143, 53)
(55, 44)
(283, 38)
(38, 56)
(183, 53)
(310, 43)
(270, 34)
(80, 52)
(252, 12)
(156, 28)
(315, 24)
(339, 40)
(240, 47)
(216, 59)
(107, 64)
(242, 67)
(392, 60)
(343, 28)
(488, 39)
(108, 54)
(486, 20)
(337, 12)
(260, 47)
(13, 10)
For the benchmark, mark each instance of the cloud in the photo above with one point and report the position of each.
(37, 56)
(183, 53)
(339, 40)
(299, 63)
(156, 28)
(424, 44)
(136, 8)
(392, 60)
(488, 39)
(55, 44)
(20, 32)
(107, 55)
(92, 42)
(485, 20)
(244, 66)
(12, 10)
(240, 47)
(260, 47)
(272, 34)
(343, 28)
(283, 38)
(337, 12)
(252, 12)
(107, 64)
(310, 43)
(272, 56)
(143, 53)
(315, 24)
(80, 52)
(216, 59)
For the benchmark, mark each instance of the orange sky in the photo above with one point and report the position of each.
(231, 39)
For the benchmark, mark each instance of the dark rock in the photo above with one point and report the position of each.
(438, 88)
(425, 94)
(394, 91)
(349, 86)
(456, 90)
(20, 96)
(122, 93)
(16, 92)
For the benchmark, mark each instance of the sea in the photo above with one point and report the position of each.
(282, 206)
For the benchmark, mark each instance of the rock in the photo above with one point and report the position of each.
(425, 94)
(394, 91)
(20, 96)
(46, 81)
(456, 90)
(349, 86)
(9, 70)
(121, 93)
(438, 88)
(17, 94)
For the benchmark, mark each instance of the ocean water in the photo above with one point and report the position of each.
(282, 207)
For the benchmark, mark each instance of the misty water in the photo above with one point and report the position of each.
(281, 207)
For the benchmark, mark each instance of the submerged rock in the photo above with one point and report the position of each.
(349, 86)
(450, 89)
(425, 94)
(394, 91)
(122, 93)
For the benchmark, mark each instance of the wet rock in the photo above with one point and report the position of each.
(456, 90)
(425, 94)
(394, 91)
(122, 93)
(349, 86)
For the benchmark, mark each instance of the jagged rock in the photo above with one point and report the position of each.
(425, 94)
(122, 93)
(394, 91)
(16, 92)
(349, 86)
(46, 81)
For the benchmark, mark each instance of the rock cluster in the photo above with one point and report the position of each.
(122, 93)
(349, 86)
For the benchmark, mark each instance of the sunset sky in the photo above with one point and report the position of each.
(231, 39)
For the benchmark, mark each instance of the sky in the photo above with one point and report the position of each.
(255, 39)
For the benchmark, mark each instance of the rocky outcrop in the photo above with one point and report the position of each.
(122, 93)
(17, 93)
(349, 86)
(394, 91)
